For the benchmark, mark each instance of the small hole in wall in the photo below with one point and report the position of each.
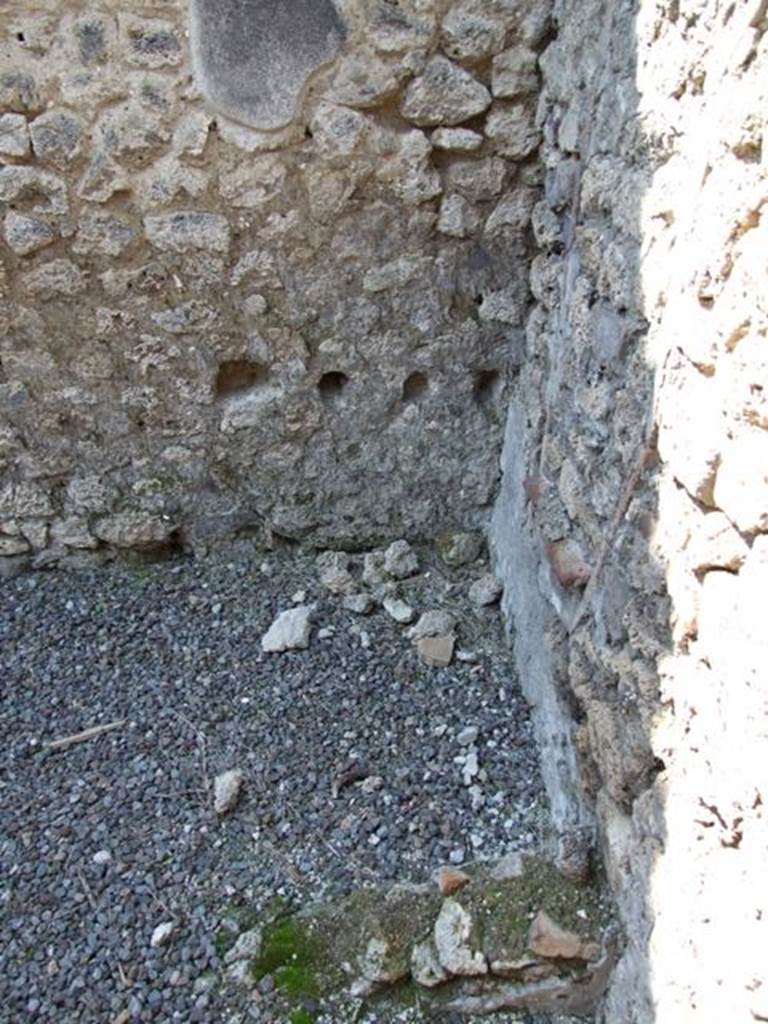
(331, 385)
(21, 37)
(487, 386)
(237, 375)
(415, 387)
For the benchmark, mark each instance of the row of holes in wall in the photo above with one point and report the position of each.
(240, 375)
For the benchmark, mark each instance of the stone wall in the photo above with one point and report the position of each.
(630, 530)
(209, 329)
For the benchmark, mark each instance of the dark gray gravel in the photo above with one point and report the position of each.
(175, 650)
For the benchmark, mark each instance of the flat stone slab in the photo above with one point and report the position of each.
(252, 58)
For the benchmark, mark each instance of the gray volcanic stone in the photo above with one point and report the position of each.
(252, 60)
(444, 94)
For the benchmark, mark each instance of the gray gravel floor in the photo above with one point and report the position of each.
(174, 649)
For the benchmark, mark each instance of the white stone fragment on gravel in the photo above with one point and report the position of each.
(469, 657)
(486, 590)
(247, 947)
(325, 633)
(102, 857)
(162, 934)
(432, 623)
(359, 604)
(400, 560)
(399, 610)
(299, 597)
(226, 790)
(471, 767)
(289, 631)
(467, 736)
(452, 933)
(457, 856)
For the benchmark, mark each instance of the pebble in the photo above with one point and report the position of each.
(398, 610)
(467, 736)
(436, 651)
(359, 604)
(226, 790)
(162, 934)
(102, 857)
(487, 590)
(400, 560)
(432, 623)
(289, 631)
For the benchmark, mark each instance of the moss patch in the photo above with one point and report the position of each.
(289, 954)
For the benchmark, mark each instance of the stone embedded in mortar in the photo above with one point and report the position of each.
(457, 218)
(426, 968)
(546, 938)
(365, 82)
(26, 235)
(444, 94)
(14, 135)
(453, 934)
(458, 140)
(514, 73)
(134, 530)
(393, 29)
(512, 129)
(46, 191)
(188, 229)
(56, 136)
(409, 173)
(470, 35)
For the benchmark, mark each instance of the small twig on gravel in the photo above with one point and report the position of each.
(200, 741)
(86, 734)
(87, 890)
